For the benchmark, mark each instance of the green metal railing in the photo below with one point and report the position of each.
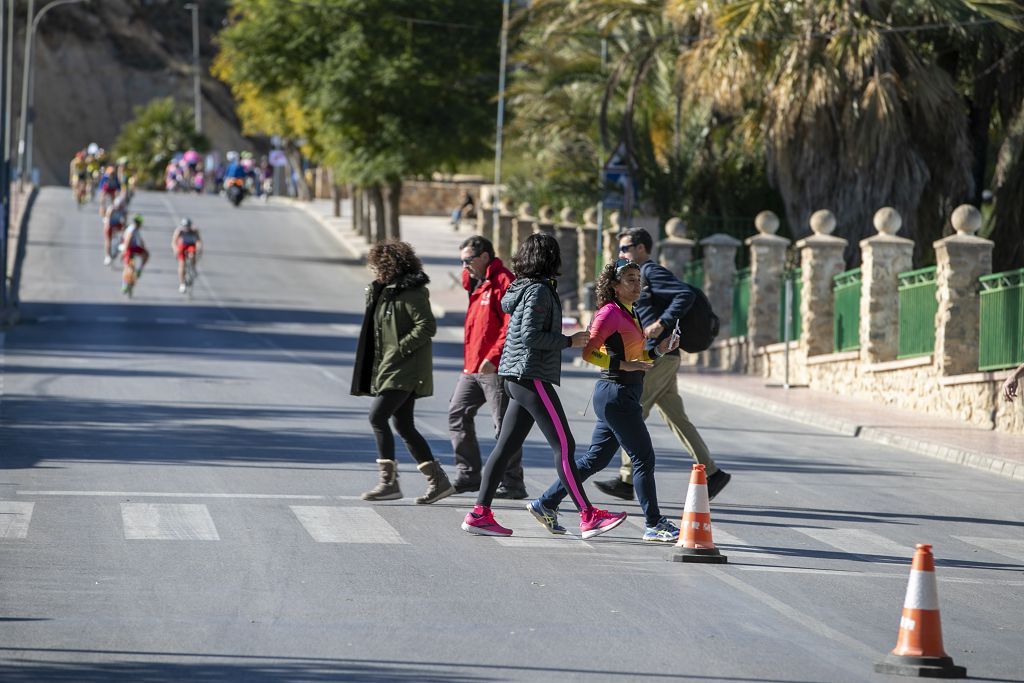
(1001, 338)
(740, 301)
(693, 273)
(917, 312)
(846, 311)
(795, 325)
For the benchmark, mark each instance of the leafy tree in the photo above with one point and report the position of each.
(159, 130)
(384, 88)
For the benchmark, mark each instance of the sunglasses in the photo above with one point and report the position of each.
(467, 261)
(622, 264)
(625, 247)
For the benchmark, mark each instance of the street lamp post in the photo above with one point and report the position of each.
(196, 91)
(501, 110)
(27, 109)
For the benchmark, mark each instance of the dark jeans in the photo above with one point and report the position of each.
(533, 402)
(472, 392)
(620, 422)
(398, 407)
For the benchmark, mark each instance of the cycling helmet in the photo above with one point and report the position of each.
(137, 219)
(232, 155)
(186, 222)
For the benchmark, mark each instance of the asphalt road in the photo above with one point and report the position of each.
(179, 488)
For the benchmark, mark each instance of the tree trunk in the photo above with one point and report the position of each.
(1008, 211)
(357, 208)
(335, 193)
(394, 208)
(294, 155)
(380, 229)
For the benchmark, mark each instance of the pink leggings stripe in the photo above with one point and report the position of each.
(563, 444)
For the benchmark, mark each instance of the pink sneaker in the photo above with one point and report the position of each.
(481, 522)
(594, 521)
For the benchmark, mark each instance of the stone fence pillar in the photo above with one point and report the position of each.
(586, 249)
(767, 263)
(611, 237)
(568, 244)
(502, 239)
(485, 212)
(676, 250)
(719, 270)
(884, 257)
(961, 259)
(546, 221)
(821, 259)
(522, 226)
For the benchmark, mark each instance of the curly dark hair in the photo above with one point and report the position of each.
(391, 260)
(538, 257)
(606, 281)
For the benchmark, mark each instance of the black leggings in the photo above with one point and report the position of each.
(533, 401)
(398, 406)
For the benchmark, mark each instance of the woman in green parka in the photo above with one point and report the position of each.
(394, 364)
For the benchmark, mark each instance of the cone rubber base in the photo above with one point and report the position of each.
(705, 555)
(920, 667)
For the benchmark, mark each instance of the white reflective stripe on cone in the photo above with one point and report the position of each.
(922, 592)
(697, 499)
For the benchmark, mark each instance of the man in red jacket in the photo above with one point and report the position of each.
(486, 279)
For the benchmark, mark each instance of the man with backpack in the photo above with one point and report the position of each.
(664, 301)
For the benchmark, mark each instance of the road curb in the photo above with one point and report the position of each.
(981, 461)
(354, 244)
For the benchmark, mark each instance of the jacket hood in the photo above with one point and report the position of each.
(410, 281)
(515, 293)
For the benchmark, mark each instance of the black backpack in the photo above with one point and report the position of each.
(699, 326)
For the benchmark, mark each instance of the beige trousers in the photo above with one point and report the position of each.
(661, 391)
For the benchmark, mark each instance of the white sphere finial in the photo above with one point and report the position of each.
(823, 222)
(887, 221)
(675, 227)
(966, 220)
(767, 223)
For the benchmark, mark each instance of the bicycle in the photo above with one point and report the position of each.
(190, 271)
(130, 275)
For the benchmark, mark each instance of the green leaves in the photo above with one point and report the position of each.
(159, 130)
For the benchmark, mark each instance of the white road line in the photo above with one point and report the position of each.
(1007, 547)
(14, 519)
(528, 533)
(112, 319)
(51, 318)
(172, 494)
(858, 542)
(876, 575)
(168, 522)
(346, 525)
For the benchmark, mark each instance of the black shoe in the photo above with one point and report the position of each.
(466, 485)
(511, 493)
(616, 487)
(717, 482)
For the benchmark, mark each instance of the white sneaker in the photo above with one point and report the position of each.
(106, 260)
(181, 288)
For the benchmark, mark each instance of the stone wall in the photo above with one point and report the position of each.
(432, 198)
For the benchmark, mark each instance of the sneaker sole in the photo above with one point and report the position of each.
(598, 532)
(390, 496)
(659, 540)
(423, 500)
(483, 532)
(540, 520)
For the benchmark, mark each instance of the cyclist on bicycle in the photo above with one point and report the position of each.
(133, 246)
(113, 224)
(110, 188)
(186, 242)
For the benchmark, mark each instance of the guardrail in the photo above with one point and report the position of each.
(740, 302)
(1001, 332)
(846, 300)
(795, 323)
(917, 312)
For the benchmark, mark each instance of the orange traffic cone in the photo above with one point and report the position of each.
(695, 544)
(919, 649)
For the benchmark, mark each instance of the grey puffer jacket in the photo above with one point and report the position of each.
(534, 342)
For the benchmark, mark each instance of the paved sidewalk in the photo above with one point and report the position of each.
(997, 452)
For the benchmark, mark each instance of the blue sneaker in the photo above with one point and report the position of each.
(549, 518)
(662, 532)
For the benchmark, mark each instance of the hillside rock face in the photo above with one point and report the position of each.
(95, 62)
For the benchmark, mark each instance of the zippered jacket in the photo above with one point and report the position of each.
(486, 322)
(534, 340)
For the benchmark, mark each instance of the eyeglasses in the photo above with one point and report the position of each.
(625, 247)
(467, 261)
(622, 264)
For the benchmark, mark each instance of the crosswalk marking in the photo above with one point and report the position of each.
(1007, 547)
(858, 542)
(14, 519)
(528, 533)
(346, 525)
(168, 522)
